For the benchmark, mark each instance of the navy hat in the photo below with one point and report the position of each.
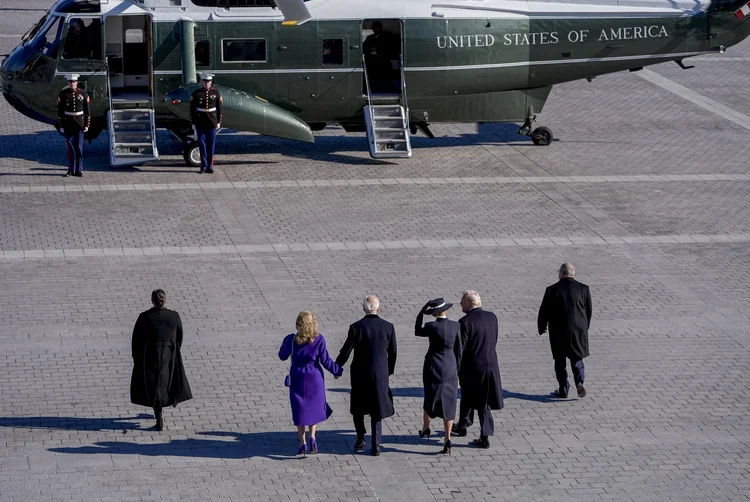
(437, 306)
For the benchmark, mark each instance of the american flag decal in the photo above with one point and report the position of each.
(743, 11)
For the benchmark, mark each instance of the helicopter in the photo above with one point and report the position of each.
(287, 68)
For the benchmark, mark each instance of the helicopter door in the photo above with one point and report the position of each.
(382, 51)
(128, 51)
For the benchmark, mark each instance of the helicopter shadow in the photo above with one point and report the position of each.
(48, 147)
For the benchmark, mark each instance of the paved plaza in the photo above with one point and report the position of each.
(646, 191)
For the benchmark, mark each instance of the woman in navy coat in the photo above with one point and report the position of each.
(440, 370)
(307, 387)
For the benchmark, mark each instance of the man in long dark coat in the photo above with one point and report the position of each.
(159, 378)
(566, 309)
(373, 341)
(479, 374)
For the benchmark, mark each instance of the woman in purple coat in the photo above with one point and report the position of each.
(307, 388)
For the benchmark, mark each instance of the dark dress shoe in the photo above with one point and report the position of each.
(360, 444)
(79, 174)
(460, 432)
(201, 171)
(447, 448)
(482, 442)
(69, 173)
(581, 391)
(159, 424)
(561, 393)
(425, 433)
(210, 171)
(375, 451)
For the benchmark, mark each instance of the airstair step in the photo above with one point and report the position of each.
(132, 145)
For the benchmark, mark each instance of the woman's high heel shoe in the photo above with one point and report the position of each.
(447, 447)
(302, 449)
(425, 433)
(313, 446)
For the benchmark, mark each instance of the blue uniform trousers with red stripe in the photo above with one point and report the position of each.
(207, 145)
(74, 140)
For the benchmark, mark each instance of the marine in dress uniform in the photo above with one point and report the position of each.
(73, 120)
(205, 113)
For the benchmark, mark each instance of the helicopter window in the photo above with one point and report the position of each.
(333, 51)
(47, 40)
(35, 29)
(83, 39)
(234, 3)
(247, 50)
(134, 36)
(79, 6)
(203, 53)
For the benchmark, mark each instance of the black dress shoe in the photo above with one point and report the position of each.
(69, 173)
(210, 171)
(482, 442)
(375, 451)
(460, 432)
(447, 448)
(79, 174)
(581, 391)
(201, 171)
(360, 444)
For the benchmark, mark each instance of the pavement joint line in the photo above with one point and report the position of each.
(384, 245)
(697, 99)
(325, 183)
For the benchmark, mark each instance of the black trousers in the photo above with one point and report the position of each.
(576, 365)
(377, 428)
(466, 419)
(157, 411)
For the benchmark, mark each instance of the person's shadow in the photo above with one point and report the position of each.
(235, 445)
(75, 423)
(418, 392)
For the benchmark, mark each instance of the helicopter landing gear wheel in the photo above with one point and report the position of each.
(542, 136)
(192, 154)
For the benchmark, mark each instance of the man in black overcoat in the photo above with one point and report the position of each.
(373, 341)
(159, 378)
(566, 309)
(479, 373)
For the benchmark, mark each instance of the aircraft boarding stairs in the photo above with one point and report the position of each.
(387, 121)
(132, 130)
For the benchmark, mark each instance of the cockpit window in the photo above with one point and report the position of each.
(47, 39)
(34, 29)
(83, 39)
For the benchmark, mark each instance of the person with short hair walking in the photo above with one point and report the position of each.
(306, 382)
(373, 341)
(158, 378)
(479, 373)
(566, 310)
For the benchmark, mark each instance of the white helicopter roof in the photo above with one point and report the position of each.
(412, 9)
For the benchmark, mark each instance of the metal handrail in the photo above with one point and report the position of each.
(403, 92)
(367, 86)
(110, 113)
